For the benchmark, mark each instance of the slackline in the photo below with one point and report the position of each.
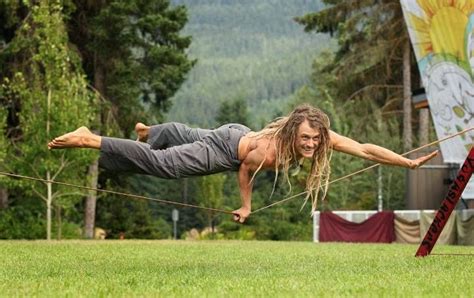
(215, 209)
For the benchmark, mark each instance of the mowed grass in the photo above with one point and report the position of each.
(231, 268)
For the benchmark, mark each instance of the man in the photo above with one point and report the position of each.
(173, 150)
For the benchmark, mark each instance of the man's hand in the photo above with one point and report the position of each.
(416, 163)
(240, 215)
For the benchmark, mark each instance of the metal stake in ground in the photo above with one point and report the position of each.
(447, 206)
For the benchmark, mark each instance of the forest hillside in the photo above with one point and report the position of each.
(245, 50)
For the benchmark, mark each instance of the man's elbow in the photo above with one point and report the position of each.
(367, 151)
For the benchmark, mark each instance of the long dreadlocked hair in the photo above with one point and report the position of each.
(284, 131)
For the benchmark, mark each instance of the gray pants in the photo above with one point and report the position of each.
(174, 150)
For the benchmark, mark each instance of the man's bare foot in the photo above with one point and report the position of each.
(80, 138)
(142, 132)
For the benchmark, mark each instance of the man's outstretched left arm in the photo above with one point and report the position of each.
(376, 153)
(245, 186)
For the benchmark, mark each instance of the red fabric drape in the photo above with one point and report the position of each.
(377, 228)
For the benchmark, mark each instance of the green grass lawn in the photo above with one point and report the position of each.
(230, 268)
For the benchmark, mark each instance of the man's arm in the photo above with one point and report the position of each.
(376, 153)
(245, 186)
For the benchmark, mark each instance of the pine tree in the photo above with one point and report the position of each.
(135, 59)
(234, 111)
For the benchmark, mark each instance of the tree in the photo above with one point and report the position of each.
(361, 119)
(423, 131)
(134, 58)
(10, 16)
(407, 130)
(211, 195)
(234, 111)
(371, 37)
(3, 145)
(246, 50)
(372, 59)
(47, 82)
(133, 53)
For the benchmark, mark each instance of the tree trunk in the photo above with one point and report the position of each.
(93, 171)
(3, 198)
(379, 170)
(407, 130)
(49, 186)
(49, 201)
(424, 124)
(91, 200)
(185, 190)
(59, 223)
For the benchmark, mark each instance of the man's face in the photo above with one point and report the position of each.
(307, 140)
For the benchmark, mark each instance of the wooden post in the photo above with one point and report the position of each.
(447, 206)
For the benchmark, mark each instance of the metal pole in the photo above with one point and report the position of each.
(175, 230)
(380, 189)
(175, 218)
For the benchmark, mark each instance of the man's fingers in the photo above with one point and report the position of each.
(422, 160)
(238, 218)
(433, 154)
(430, 156)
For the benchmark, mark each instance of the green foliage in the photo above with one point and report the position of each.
(361, 85)
(230, 269)
(131, 218)
(211, 195)
(228, 229)
(135, 56)
(22, 222)
(3, 140)
(134, 53)
(69, 230)
(113, 213)
(150, 229)
(363, 120)
(53, 95)
(47, 83)
(288, 221)
(368, 61)
(234, 111)
(249, 50)
(251, 56)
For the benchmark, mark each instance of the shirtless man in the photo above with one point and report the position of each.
(173, 150)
